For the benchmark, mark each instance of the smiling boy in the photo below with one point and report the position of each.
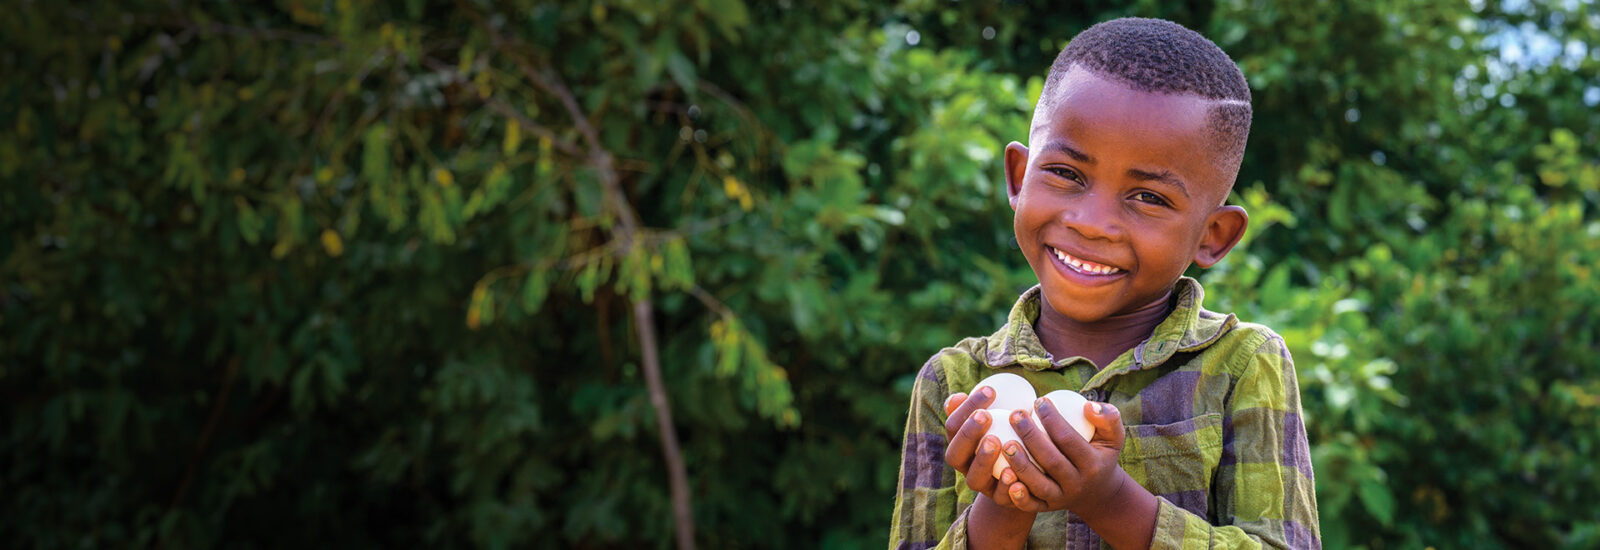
(1134, 147)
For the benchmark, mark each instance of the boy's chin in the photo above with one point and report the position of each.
(1077, 309)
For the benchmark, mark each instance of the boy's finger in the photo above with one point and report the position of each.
(963, 445)
(1046, 468)
(1065, 438)
(1048, 443)
(1023, 499)
(979, 400)
(1039, 482)
(980, 474)
(955, 400)
(1107, 422)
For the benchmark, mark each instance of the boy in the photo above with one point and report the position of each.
(1198, 442)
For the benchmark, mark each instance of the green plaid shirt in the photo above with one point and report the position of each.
(1211, 408)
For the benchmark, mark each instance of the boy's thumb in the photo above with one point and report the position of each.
(1107, 422)
(953, 402)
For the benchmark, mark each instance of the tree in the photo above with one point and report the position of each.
(367, 274)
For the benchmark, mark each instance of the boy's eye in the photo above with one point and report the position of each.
(1065, 173)
(1148, 197)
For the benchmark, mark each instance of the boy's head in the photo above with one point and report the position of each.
(1134, 146)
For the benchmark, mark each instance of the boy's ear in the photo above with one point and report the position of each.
(1016, 167)
(1222, 231)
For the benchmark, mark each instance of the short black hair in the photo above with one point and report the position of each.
(1157, 56)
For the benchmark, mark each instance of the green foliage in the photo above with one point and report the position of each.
(349, 273)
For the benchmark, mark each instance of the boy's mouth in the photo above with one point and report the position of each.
(1083, 266)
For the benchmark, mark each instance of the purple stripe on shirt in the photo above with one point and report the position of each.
(1080, 535)
(1169, 399)
(999, 356)
(923, 461)
(1295, 452)
(1166, 430)
(1229, 457)
(919, 545)
(1193, 501)
(1283, 350)
(1297, 536)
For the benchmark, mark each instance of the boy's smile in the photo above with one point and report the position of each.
(1120, 193)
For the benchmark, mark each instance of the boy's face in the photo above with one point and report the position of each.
(1118, 194)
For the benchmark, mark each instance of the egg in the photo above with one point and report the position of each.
(1070, 405)
(1000, 427)
(1012, 392)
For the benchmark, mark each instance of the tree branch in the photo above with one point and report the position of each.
(506, 110)
(204, 440)
(682, 513)
(624, 233)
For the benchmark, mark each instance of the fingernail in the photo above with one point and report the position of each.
(1016, 490)
(988, 392)
(982, 416)
(1011, 450)
(1097, 408)
(1008, 477)
(1019, 418)
(1042, 404)
(988, 446)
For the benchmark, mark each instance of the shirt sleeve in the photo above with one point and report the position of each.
(925, 509)
(1264, 490)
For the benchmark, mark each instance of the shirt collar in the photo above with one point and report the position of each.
(1189, 327)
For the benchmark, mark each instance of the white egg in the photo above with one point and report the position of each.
(1010, 391)
(1070, 405)
(1000, 427)
(1000, 465)
(1013, 392)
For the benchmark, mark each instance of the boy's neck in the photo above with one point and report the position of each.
(1099, 341)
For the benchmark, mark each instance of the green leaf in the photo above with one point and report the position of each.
(1375, 495)
(434, 218)
(678, 268)
(250, 224)
(534, 290)
(729, 16)
(682, 71)
(594, 272)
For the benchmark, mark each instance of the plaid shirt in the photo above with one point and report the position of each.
(1211, 409)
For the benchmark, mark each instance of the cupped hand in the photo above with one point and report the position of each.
(1066, 472)
(973, 453)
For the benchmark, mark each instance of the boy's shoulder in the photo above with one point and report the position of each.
(1214, 342)
(957, 366)
(1247, 344)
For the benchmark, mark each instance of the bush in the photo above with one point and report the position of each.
(360, 274)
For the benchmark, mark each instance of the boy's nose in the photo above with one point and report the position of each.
(1094, 217)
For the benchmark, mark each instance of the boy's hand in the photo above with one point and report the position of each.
(973, 453)
(1066, 472)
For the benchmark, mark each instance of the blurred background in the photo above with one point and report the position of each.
(372, 274)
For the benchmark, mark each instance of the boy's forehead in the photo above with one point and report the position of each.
(1084, 92)
(1179, 125)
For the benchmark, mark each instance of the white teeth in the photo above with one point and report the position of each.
(1083, 266)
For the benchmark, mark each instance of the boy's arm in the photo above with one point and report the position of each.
(1264, 492)
(928, 512)
(1084, 476)
(925, 497)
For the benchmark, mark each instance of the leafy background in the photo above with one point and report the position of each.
(358, 273)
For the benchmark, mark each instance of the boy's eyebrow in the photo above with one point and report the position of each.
(1163, 176)
(1076, 155)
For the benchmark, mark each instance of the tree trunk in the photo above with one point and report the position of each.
(677, 475)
